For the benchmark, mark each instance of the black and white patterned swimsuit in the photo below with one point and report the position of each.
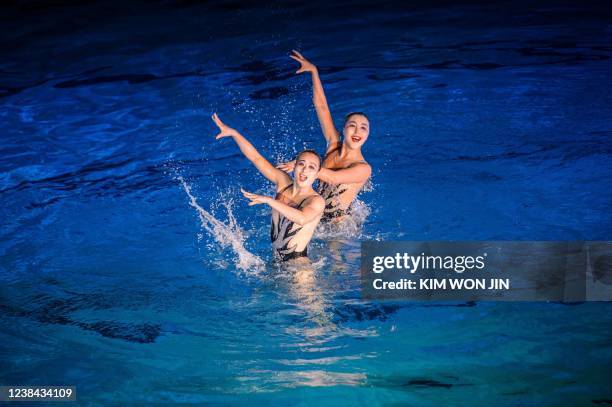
(331, 193)
(283, 230)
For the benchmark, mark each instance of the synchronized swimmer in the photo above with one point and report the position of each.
(297, 208)
(344, 171)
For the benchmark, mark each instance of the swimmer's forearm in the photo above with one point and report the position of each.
(263, 166)
(318, 94)
(247, 148)
(323, 113)
(294, 215)
(354, 174)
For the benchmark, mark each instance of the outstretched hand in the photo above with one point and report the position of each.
(287, 167)
(225, 130)
(254, 198)
(305, 65)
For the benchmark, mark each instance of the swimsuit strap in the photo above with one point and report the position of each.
(339, 147)
(284, 189)
(303, 200)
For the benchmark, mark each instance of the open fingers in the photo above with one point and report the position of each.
(298, 54)
(248, 194)
(254, 198)
(216, 119)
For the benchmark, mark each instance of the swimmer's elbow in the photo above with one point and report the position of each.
(304, 219)
(301, 220)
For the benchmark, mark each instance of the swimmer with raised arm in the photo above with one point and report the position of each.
(296, 208)
(344, 171)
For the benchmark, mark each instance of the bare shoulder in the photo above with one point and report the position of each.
(316, 202)
(362, 166)
(362, 163)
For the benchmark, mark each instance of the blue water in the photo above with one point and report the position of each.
(488, 122)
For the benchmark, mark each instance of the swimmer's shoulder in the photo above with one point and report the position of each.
(315, 201)
(365, 170)
(361, 164)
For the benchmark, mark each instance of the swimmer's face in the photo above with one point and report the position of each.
(356, 131)
(306, 169)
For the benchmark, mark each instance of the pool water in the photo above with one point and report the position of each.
(132, 268)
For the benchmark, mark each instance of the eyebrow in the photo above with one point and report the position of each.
(307, 162)
(353, 121)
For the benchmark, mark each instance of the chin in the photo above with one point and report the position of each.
(304, 183)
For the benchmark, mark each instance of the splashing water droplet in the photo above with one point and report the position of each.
(226, 235)
(350, 226)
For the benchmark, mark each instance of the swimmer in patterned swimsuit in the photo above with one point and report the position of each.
(296, 208)
(283, 229)
(344, 171)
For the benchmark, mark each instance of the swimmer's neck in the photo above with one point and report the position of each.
(347, 153)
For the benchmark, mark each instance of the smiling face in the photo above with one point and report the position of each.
(356, 130)
(307, 166)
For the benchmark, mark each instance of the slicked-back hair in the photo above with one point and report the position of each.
(348, 116)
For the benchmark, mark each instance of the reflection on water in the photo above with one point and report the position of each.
(310, 378)
(307, 295)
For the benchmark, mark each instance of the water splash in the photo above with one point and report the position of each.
(350, 226)
(226, 235)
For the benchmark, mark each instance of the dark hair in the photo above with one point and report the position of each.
(311, 152)
(348, 116)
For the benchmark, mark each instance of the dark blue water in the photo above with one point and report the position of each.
(488, 121)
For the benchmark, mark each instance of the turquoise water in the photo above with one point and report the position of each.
(132, 268)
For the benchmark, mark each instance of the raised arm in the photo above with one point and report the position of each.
(320, 102)
(273, 174)
(356, 173)
(314, 207)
